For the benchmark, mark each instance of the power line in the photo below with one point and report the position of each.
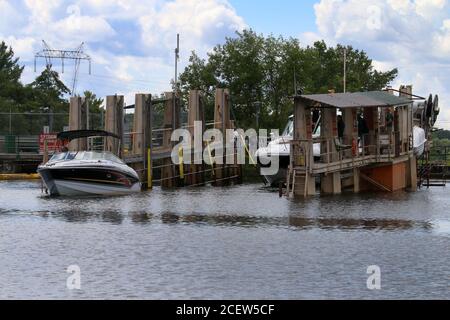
(77, 55)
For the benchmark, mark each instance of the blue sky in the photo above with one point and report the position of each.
(285, 17)
(131, 42)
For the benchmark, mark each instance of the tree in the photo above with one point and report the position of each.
(11, 89)
(260, 73)
(95, 110)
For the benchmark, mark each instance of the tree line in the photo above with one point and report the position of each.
(34, 105)
(263, 73)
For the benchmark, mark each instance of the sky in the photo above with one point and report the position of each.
(131, 42)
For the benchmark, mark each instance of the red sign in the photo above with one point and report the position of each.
(52, 142)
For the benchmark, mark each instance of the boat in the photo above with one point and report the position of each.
(87, 173)
(419, 141)
(281, 147)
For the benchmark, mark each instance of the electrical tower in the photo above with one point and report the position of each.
(77, 55)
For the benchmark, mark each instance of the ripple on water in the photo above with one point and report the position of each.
(233, 243)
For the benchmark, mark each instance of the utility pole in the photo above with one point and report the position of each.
(177, 57)
(345, 69)
(175, 89)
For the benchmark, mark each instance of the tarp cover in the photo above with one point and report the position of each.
(78, 134)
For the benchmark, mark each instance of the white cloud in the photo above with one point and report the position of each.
(411, 35)
(131, 42)
(201, 24)
(22, 47)
(84, 28)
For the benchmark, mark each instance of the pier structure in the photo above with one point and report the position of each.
(150, 148)
(365, 141)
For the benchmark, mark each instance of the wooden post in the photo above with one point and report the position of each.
(142, 137)
(114, 123)
(301, 182)
(330, 183)
(222, 122)
(196, 113)
(77, 121)
(351, 126)
(171, 122)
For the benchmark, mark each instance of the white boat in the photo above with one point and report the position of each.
(281, 147)
(81, 173)
(419, 141)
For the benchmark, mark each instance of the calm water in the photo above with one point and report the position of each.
(224, 243)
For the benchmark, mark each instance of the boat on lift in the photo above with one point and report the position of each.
(87, 173)
(281, 147)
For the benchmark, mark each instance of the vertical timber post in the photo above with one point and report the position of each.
(171, 122)
(114, 123)
(411, 166)
(222, 123)
(351, 139)
(77, 121)
(196, 114)
(331, 182)
(301, 182)
(142, 137)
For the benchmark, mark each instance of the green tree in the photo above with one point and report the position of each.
(260, 73)
(48, 93)
(96, 111)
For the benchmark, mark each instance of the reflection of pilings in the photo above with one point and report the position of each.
(355, 224)
(292, 221)
(297, 222)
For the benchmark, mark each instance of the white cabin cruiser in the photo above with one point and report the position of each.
(281, 147)
(73, 173)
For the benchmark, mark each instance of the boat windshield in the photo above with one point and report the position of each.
(289, 131)
(86, 155)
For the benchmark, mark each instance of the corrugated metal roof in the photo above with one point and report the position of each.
(357, 99)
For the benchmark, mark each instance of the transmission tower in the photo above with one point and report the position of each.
(77, 55)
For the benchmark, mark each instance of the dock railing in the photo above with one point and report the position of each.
(337, 154)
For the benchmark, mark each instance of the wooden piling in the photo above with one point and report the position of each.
(171, 122)
(222, 123)
(330, 183)
(142, 138)
(114, 123)
(78, 121)
(196, 114)
(301, 182)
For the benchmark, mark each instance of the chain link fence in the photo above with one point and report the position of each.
(20, 132)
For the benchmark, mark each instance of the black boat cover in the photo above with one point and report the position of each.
(78, 134)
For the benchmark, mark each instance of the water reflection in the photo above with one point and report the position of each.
(141, 217)
(292, 221)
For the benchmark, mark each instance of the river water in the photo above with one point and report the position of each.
(241, 242)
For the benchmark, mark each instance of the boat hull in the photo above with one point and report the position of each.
(88, 181)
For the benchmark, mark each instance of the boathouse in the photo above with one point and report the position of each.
(365, 139)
